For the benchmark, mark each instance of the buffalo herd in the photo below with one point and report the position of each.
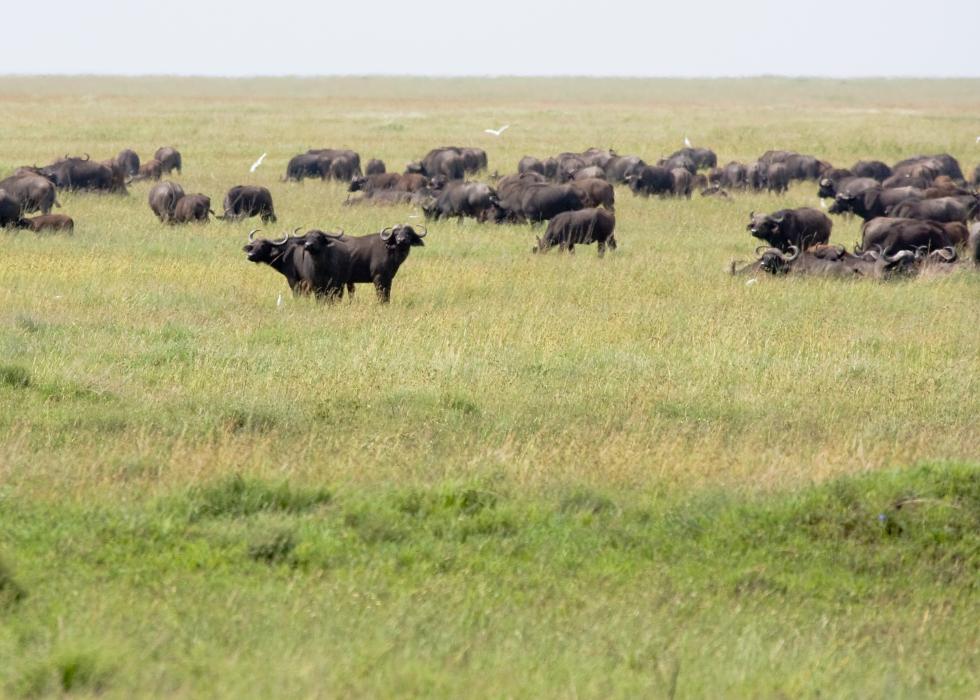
(917, 213)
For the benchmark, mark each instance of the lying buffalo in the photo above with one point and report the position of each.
(461, 199)
(402, 182)
(163, 199)
(889, 235)
(803, 227)
(571, 228)
(169, 158)
(192, 207)
(48, 222)
(84, 174)
(33, 192)
(827, 261)
(245, 201)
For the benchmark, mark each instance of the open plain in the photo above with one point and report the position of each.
(527, 476)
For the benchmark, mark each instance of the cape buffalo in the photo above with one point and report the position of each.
(571, 228)
(307, 165)
(461, 199)
(375, 167)
(871, 168)
(803, 227)
(777, 178)
(169, 158)
(589, 172)
(128, 161)
(192, 207)
(531, 164)
(9, 209)
(941, 209)
(403, 182)
(827, 261)
(651, 180)
(48, 222)
(34, 192)
(619, 168)
(150, 170)
(344, 168)
(541, 202)
(163, 198)
(973, 244)
(376, 257)
(440, 161)
(595, 193)
(681, 182)
(872, 202)
(244, 201)
(332, 154)
(307, 271)
(701, 157)
(84, 174)
(890, 234)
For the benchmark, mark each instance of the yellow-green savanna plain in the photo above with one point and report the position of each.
(527, 475)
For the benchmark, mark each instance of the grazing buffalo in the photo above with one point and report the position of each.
(344, 168)
(10, 209)
(34, 192)
(244, 201)
(307, 165)
(651, 179)
(447, 162)
(375, 258)
(460, 199)
(332, 154)
(941, 209)
(872, 168)
(307, 271)
(701, 157)
(48, 222)
(777, 178)
(150, 170)
(532, 164)
(192, 207)
(803, 227)
(542, 202)
(84, 174)
(128, 161)
(375, 167)
(169, 158)
(755, 175)
(681, 182)
(163, 199)
(571, 228)
(619, 168)
(890, 235)
(595, 193)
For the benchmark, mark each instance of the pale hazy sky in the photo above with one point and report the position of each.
(834, 38)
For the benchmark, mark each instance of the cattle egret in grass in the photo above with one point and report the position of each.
(752, 282)
(257, 163)
(497, 132)
(687, 142)
(279, 301)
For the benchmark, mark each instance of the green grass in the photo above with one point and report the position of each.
(528, 475)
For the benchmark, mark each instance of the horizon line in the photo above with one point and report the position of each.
(481, 76)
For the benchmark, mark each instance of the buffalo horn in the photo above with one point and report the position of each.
(795, 253)
(386, 233)
(424, 231)
(284, 239)
(251, 234)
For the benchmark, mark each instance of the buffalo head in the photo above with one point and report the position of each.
(768, 228)
(402, 236)
(264, 250)
(357, 184)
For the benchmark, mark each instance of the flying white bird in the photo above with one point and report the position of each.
(687, 142)
(257, 163)
(978, 139)
(497, 132)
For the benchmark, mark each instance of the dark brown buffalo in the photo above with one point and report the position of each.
(802, 228)
(402, 182)
(941, 209)
(84, 174)
(571, 228)
(128, 161)
(375, 167)
(34, 192)
(309, 263)
(245, 201)
(169, 158)
(10, 209)
(595, 193)
(192, 207)
(163, 198)
(150, 170)
(889, 235)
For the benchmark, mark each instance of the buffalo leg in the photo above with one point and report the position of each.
(602, 248)
(383, 288)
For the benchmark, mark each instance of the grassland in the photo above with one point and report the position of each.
(527, 476)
